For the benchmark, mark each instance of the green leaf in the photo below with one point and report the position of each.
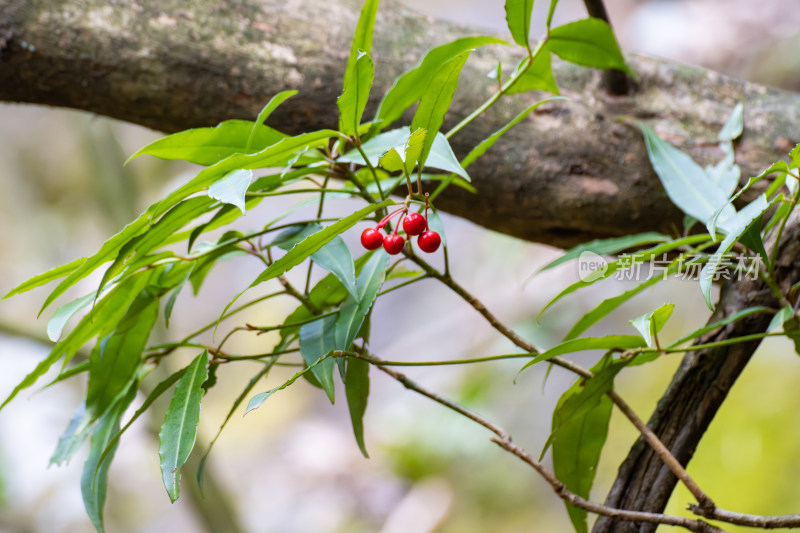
(752, 239)
(78, 429)
(435, 101)
(101, 321)
(356, 308)
(791, 327)
(685, 182)
(55, 326)
(208, 146)
(259, 399)
(116, 359)
(491, 139)
(609, 304)
(392, 161)
(785, 313)
(737, 226)
(155, 235)
(355, 96)
(734, 126)
(273, 103)
(589, 42)
(231, 188)
(362, 38)
(316, 341)
(627, 261)
(650, 324)
(409, 87)
(159, 389)
(94, 476)
(609, 342)
(436, 224)
(276, 155)
(518, 18)
(44, 278)
(179, 431)
(356, 388)
(580, 428)
(537, 77)
(314, 242)
(609, 246)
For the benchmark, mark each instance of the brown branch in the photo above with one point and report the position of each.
(740, 519)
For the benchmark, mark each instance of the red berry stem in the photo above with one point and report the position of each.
(385, 220)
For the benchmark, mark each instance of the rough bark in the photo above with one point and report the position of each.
(568, 174)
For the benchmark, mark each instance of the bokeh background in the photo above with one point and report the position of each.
(293, 466)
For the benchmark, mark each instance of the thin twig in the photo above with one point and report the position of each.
(740, 519)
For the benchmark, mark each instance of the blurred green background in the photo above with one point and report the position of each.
(293, 465)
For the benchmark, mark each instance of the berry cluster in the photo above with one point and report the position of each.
(413, 224)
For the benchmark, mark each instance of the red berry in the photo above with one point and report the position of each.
(414, 224)
(371, 239)
(429, 241)
(393, 244)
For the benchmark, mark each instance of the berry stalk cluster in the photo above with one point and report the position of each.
(413, 224)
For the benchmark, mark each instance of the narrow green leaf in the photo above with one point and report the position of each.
(685, 182)
(436, 224)
(734, 126)
(94, 476)
(518, 18)
(627, 261)
(101, 321)
(609, 304)
(650, 324)
(609, 342)
(578, 441)
(156, 234)
(316, 341)
(56, 324)
(609, 246)
(276, 155)
(208, 146)
(356, 388)
(355, 309)
(68, 373)
(273, 103)
(259, 399)
(116, 359)
(391, 161)
(362, 38)
(152, 397)
(409, 87)
(436, 99)
(314, 242)
(355, 96)
(785, 313)
(78, 429)
(737, 226)
(231, 188)
(752, 239)
(179, 431)
(589, 42)
(45, 277)
(537, 77)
